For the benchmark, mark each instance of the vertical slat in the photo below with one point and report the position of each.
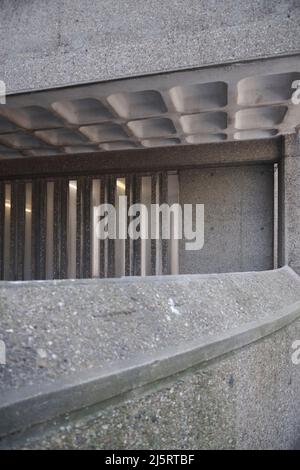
(111, 199)
(128, 241)
(137, 243)
(72, 228)
(49, 224)
(64, 228)
(86, 230)
(38, 250)
(43, 228)
(79, 272)
(2, 228)
(173, 198)
(35, 238)
(60, 262)
(153, 241)
(103, 243)
(7, 231)
(83, 229)
(281, 214)
(28, 232)
(163, 196)
(121, 227)
(17, 231)
(95, 242)
(20, 239)
(56, 229)
(13, 231)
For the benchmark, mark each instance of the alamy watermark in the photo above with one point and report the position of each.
(156, 222)
(296, 93)
(2, 92)
(296, 353)
(2, 353)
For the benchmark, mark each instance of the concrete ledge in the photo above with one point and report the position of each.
(31, 405)
(210, 318)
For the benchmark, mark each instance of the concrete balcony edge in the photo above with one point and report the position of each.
(33, 405)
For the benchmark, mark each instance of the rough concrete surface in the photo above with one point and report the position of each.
(247, 400)
(45, 44)
(121, 319)
(52, 329)
(290, 201)
(238, 218)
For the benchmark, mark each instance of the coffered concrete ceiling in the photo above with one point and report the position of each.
(215, 104)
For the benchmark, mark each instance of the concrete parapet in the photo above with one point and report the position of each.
(135, 370)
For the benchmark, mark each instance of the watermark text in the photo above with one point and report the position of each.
(2, 353)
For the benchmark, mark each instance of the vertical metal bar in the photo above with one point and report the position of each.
(43, 227)
(7, 230)
(72, 228)
(111, 199)
(49, 223)
(2, 228)
(35, 238)
(275, 218)
(95, 242)
(20, 235)
(60, 255)
(17, 239)
(57, 229)
(64, 228)
(128, 241)
(173, 198)
(121, 227)
(13, 231)
(86, 230)
(137, 243)
(153, 241)
(103, 243)
(145, 242)
(39, 217)
(79, 228)
(28, 231)
(163, 196)
(282, 254)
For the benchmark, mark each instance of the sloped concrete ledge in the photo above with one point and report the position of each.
(216, 374)
(26, 407)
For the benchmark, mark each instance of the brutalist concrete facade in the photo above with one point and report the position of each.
(203, 90)
(91, 40)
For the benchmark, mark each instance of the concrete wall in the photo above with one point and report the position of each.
(46, 44)
(248, 400)
(289, 179)
(239, 218)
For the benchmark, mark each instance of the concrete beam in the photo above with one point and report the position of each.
(147, 160)
(46, 44)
